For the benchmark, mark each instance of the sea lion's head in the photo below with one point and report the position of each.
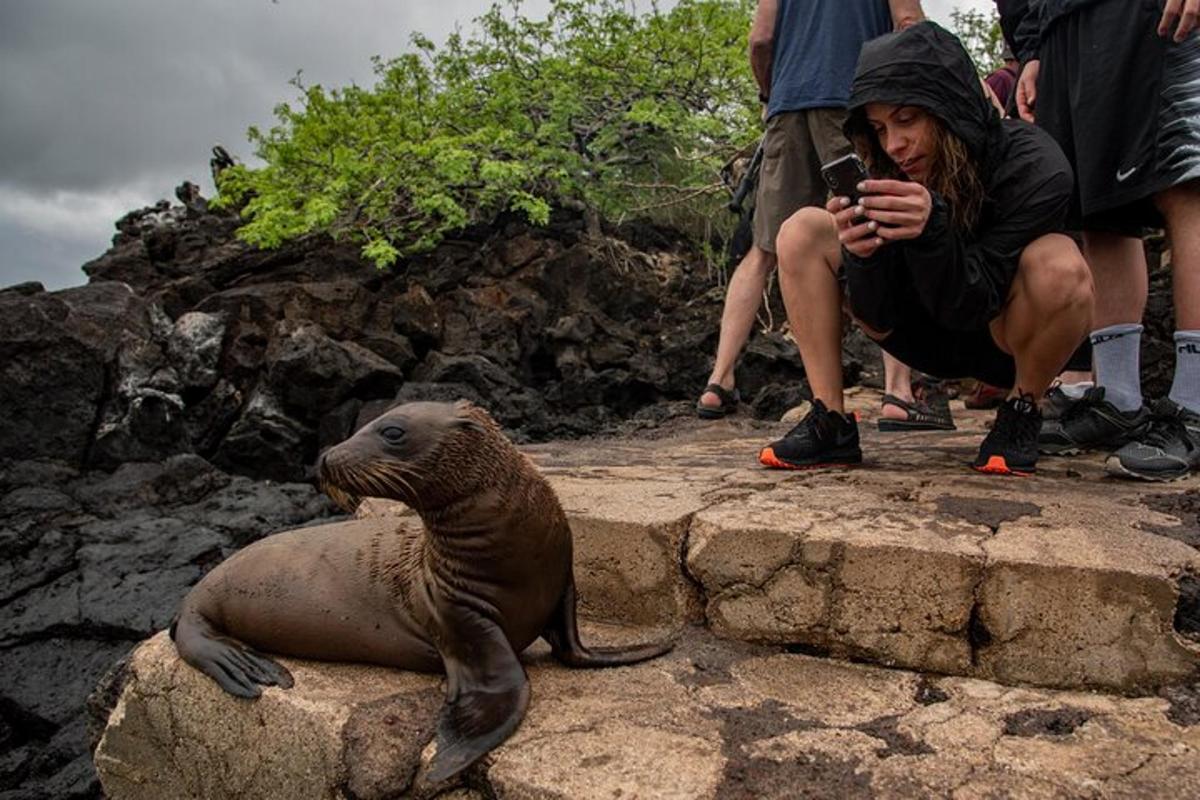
(423, 454)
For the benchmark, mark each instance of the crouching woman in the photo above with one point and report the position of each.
(953, 260)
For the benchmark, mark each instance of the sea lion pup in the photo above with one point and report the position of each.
(489, 574)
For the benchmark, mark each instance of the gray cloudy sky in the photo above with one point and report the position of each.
(107, 105)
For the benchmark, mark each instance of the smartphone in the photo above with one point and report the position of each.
(843, 176)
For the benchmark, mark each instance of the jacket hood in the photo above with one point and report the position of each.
(926, 66)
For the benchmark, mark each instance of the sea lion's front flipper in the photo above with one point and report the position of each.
(563, 635)
(487, 693)
(236, 667)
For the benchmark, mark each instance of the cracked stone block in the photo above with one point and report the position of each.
(852, 577)
(629, 528)
(1074, 607)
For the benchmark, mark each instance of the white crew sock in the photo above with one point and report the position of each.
(1115, 353)
(1185, 389)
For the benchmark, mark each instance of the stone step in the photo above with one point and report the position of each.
(713, 719)
(1067, 579)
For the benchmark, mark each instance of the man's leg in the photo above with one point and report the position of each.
(1118, 265)
(742, 300)
(1113, 413)
(1169, 448)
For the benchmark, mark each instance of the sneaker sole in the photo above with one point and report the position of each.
(767, 458)
(902, 426)
(1113, 466)
(1055, 450)
(996, 465)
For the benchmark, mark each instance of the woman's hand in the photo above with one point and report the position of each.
(899, 209)
(855, 233)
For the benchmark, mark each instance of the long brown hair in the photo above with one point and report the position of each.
(953, 173)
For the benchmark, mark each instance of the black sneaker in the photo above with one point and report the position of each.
(1091, 423)
(1168, 450)
(1011, 446)
(823, 438)
(1056, 402)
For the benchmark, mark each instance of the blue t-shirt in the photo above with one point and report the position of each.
(816, 48)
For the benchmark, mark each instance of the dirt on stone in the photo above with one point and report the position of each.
(1185, 507)
(987, 511)
(1045, 722)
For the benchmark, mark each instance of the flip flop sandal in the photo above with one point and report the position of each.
(920, 417)
(729, 402)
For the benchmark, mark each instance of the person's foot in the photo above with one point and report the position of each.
(1168, 450)
(1091, 423)
(898, 415)
(1011, 446)
(717, 402)
(1056, 402)
(985, 396)
(822, 438)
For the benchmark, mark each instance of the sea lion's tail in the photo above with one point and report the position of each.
(562, 633)
(236, 667)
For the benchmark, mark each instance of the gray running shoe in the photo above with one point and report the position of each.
(1056, 402)
(1167, 451)
(1091, 423)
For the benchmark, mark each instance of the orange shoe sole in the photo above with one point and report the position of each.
(767, 458)
(996, 465)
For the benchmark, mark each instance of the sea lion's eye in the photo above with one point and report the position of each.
(392, 434)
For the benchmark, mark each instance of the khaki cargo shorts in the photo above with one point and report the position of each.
(795, 146)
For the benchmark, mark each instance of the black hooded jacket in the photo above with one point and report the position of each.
(961, 278)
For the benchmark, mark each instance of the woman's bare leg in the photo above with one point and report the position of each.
(1049, 311)
(809, 257)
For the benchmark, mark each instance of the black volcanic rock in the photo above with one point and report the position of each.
(90, 564)
(58, 352)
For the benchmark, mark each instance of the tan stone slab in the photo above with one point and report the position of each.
(1075, 606)
(629, 525)
(1055, 585)
(713, 720)
(841, 569)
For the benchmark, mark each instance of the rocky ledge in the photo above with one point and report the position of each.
(774, 582)
(714, 720)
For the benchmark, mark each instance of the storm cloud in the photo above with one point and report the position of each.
(107, 106)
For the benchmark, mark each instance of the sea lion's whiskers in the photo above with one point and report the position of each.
(401, 474)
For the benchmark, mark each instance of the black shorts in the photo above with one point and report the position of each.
(923, 343)
(1100, 95)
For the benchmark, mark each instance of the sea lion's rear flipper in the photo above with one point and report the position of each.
(236, 667)
(563, 635)
(487, 693)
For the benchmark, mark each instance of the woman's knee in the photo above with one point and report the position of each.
(1055, 274)
(806, 232)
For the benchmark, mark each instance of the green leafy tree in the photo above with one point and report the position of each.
(595, 107)
(980, 34)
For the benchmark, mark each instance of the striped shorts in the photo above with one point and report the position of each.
(1179, 113)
